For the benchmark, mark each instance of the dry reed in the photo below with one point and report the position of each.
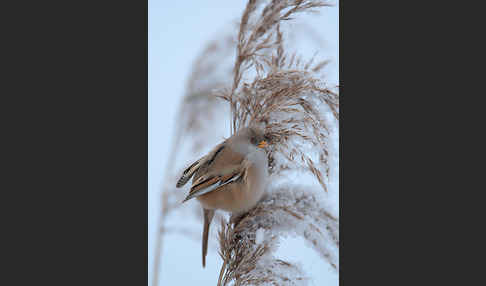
(290, 210)
(281, 94)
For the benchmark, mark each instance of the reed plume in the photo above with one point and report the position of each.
(281, 94)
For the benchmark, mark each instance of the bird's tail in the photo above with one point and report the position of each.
(208, 217)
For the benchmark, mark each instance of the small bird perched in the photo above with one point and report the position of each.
(232, 177)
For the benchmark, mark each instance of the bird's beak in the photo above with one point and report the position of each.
(262, 144)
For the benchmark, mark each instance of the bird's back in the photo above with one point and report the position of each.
(215, 161)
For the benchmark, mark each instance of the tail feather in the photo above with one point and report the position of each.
(208, 217)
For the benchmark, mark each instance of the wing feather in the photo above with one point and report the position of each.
(212, 182)
(188, 173)
(194, 167)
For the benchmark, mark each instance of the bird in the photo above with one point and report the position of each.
(232, 177)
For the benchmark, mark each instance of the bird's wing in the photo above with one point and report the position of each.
(202, 162)
(213, 181)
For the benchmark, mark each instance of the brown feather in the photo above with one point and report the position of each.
(187, 174)
(208, 217)
(230, 158)
(204, 184)
(199, 164)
